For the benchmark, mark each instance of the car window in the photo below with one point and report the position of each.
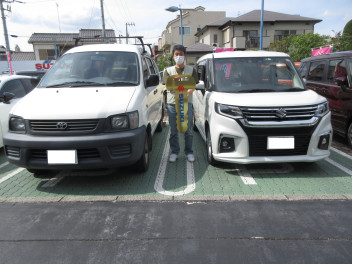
(94, 68)
(263, 74)
(303, 69)
(13, 86)
(316, 71)
(337, 68)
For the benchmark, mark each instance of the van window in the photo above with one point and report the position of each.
(150, 66)
(316, 71)
(303, 69)
(337, 68)
(267, 74)
(93, 68)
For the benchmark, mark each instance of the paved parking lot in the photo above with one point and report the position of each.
(327, 179)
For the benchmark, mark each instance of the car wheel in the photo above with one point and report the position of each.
(143, 163)
(349, 135)
(210, 157)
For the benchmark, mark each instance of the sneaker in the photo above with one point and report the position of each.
(173, 157)
(190, 157)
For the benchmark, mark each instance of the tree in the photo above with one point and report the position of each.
(164, 60)
(300, 46)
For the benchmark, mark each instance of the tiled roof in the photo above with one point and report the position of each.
(269, 16)
(96, 35)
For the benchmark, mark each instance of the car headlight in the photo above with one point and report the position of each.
(322, 109)
(228, 110)
(126, 121)
(17, 124)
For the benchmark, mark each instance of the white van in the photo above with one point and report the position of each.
(252, 107)
(97, 107)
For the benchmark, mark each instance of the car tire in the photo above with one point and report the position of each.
(143, 163)
(349, 135)
(210, 157)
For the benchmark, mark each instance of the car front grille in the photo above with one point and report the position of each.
(266, 114)
(63, 125)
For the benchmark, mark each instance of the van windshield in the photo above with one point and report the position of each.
(263, 74)
(81, 69)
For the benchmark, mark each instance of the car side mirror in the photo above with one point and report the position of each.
(152, 80)
(342, 82)
(7, 97)
(201, 72)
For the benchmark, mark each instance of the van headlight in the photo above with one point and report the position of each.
(228, 110)
(125, 121)
(322, 109)
(17, 124)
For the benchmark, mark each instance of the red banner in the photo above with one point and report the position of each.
(321, 51)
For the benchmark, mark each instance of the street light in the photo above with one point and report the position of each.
(174, 9)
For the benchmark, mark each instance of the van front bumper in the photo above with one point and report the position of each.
(104, 150)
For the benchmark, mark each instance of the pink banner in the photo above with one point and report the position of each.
(321, 51)
(223, 49)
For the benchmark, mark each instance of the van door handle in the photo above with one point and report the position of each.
(155, 91)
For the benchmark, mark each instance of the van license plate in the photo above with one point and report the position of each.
(62, 156)
(281, 142)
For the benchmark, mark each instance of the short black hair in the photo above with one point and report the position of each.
(178, 47)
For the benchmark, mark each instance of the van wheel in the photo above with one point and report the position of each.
(349, 135)
(210, 157)
(143, 163)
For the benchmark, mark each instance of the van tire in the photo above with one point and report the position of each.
(210, 157)
(349, 135)
(143, 163)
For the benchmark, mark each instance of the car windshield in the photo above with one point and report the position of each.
(251, 75)
(84, 69)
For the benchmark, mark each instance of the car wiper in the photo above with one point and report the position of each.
(257, 91)
(293, 89)
(121, 84)
(74, 84)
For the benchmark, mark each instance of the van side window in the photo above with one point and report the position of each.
(303, 69)
(209, 71)
(150, 66)
(316, 71)
(145, 69)
(337, 68)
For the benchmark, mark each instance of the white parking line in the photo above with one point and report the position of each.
(342, 153)
(4, 164)
(13, 173)
(246, 175)
(158, 186)
(349, 172)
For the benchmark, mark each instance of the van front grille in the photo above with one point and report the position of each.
(63, 125)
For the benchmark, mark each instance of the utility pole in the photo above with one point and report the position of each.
(8, 51)
(128, 24)
(103, 20)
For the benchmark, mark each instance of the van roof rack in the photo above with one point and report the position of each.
(140, 38)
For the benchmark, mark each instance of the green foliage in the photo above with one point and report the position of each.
(300, 46)
(164, 60)
(348, 28)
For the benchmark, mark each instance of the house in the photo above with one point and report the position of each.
(49, 46)
(193, 20)
(243, 32)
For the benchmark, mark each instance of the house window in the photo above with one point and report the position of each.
(280, 34)
(215, 38)
(251, 38)
(186, 30)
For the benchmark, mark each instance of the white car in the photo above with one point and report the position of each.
(97, 107)
(252, 107)
(12, 89)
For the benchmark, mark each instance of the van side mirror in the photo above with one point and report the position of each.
(7, 97)
(152, 80)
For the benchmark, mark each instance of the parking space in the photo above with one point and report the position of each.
(330, 178)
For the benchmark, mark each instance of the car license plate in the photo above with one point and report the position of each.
(62, 157)
(281, 142)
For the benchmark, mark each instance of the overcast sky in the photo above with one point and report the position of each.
(149, 16)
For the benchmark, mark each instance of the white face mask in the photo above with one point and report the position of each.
(179, 59)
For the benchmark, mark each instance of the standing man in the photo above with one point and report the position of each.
(179, 55)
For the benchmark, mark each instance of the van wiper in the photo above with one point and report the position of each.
(121, 84)
(74, 84)
(257, 91)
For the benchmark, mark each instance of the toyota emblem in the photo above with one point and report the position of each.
(61, 125)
